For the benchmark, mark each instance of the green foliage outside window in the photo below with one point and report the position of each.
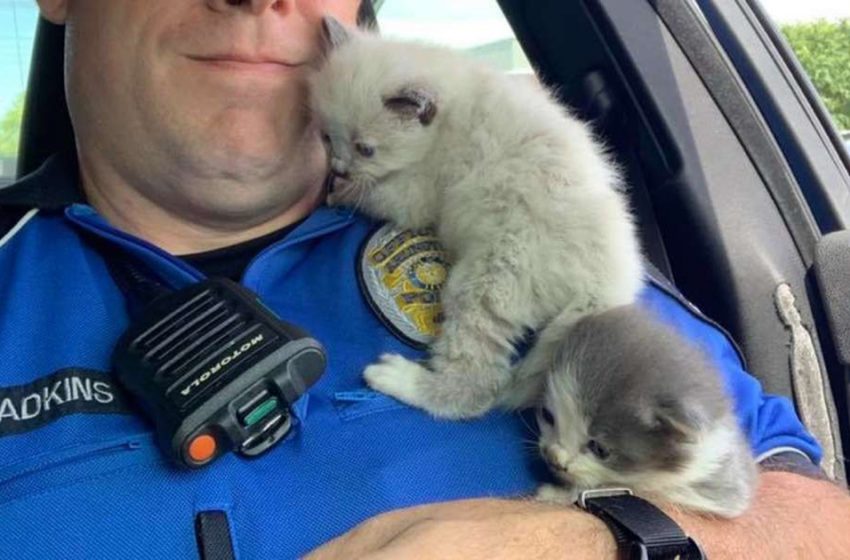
(10, 128)
(823, 48)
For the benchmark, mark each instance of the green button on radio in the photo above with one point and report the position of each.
(260, 411)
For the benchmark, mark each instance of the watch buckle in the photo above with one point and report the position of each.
(602, 493)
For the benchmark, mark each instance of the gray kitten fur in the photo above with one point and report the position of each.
(655, 405)
(523, 198)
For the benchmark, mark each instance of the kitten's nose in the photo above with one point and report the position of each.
(339, 168)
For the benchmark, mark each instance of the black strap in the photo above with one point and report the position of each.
(139, 288)
(139, 285)
(212, 531)
(642, 530)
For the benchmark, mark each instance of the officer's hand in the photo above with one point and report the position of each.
(472, 529)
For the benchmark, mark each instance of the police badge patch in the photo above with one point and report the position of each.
(401, 274)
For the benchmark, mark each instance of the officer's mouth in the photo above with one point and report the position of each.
(245, 62)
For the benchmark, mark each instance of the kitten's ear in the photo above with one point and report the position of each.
(334, 34)
(413, 102)
(677, 419)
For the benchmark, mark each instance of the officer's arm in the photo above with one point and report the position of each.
(792, 517)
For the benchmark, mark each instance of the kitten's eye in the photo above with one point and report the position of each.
(326, 139)
(364, 150)
(598, 449)
(547, 416)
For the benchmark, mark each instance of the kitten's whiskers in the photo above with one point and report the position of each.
(533, 429)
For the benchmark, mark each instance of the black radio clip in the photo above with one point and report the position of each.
(216, 371)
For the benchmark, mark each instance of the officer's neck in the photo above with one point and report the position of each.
(181, 227)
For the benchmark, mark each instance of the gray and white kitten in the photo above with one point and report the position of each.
(523, 198)
(630, 402)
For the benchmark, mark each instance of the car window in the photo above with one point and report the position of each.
(17, 29)
(819, 33)
(817, 30)
(476, 26)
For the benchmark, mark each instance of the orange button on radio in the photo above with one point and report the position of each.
(202, 448)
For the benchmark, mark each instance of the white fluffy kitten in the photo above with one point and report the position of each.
(630, 402)
(525, 201)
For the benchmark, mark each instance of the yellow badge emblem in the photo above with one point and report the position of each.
(402, 272)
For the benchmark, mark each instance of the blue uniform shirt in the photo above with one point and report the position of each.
(80, 476)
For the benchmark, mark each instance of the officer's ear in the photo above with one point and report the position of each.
(54, 11)
(334, 34)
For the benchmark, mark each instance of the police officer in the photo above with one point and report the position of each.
(194, 155)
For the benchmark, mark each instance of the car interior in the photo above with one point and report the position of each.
(734, 172)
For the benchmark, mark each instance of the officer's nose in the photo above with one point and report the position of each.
(254, 6)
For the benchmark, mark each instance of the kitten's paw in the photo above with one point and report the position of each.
(397, 377)
(556, 494)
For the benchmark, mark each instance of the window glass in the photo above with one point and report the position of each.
(819, 33)
(476, 26)
(17, 28)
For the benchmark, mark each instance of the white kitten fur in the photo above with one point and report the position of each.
(525, 200)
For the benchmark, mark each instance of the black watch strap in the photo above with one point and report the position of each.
(642, 530)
